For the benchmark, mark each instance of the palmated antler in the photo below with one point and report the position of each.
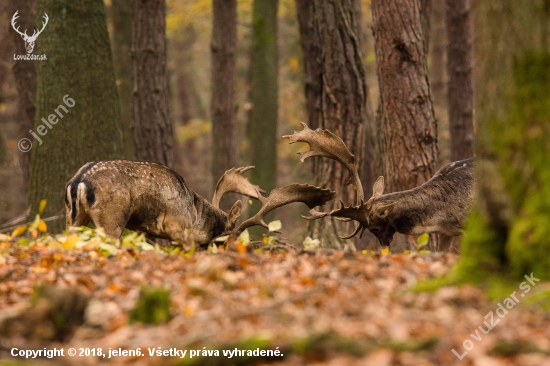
(310, 195)
(358, 213)
(234, 181)
(325, 143)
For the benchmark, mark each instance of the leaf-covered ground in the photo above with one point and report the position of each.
(316, 308)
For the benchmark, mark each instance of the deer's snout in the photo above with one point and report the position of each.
(384, 237)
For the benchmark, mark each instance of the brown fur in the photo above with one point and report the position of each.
(143, 196)
(440, 205)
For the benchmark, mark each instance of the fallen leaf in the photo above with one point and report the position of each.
(42, 206)
(70, 242)
(311, 244)
(42, 226)
(274, 225)
(18, 231)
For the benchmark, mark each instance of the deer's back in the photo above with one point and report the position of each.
(138, 178)
(140, 188)
(439, 205)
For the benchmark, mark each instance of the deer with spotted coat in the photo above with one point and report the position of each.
(154, 199)
(440, 205)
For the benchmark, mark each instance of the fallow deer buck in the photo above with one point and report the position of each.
(154, 199)
(440, 205)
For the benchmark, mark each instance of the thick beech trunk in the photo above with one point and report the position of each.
(77, 96)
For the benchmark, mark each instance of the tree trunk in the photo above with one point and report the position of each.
(459, 67)
(121, 13)
(224, 79)
(508, 231)
(263, 115)
(438, 78)
(187, 157)
(77, 97)
(153, 134)
(5, 54)
(336, 93)
(408, 124)
(425, 19)
(409, 130)
(24, 72)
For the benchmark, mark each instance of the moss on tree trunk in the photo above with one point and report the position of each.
(508, 230)
(79, 65)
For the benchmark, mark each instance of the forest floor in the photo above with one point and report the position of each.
(314, 308)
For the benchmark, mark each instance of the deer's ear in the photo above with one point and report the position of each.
(378, 187)
(234, 215)
(384, 211)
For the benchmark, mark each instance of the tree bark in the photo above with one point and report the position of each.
(121, 13)
(24, 72)
(438, 78)
(425, 18)
(409, 130)
(224, 76)
(336, 93)
(263, 116)
(88, 127)
(460, 89)
(153, 134)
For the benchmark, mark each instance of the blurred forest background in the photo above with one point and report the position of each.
(236, 75)
(205, 85)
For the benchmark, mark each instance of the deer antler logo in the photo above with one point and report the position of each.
(29, 40)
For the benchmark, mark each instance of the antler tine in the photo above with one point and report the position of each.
(234, 181)
(359, 227)
(46, 18)
(325, 143)
(357, 213)
(13, 19)
(310, 195)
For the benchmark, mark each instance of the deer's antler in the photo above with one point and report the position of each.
(37, 33)
(310, 195)
(24, 34)
(13, 19)
(325, 143)
(358, 213)
(234, 181)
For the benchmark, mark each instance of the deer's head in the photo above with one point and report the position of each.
(29, 40)
(380, 220)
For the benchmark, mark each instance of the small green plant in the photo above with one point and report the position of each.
(152, 307)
